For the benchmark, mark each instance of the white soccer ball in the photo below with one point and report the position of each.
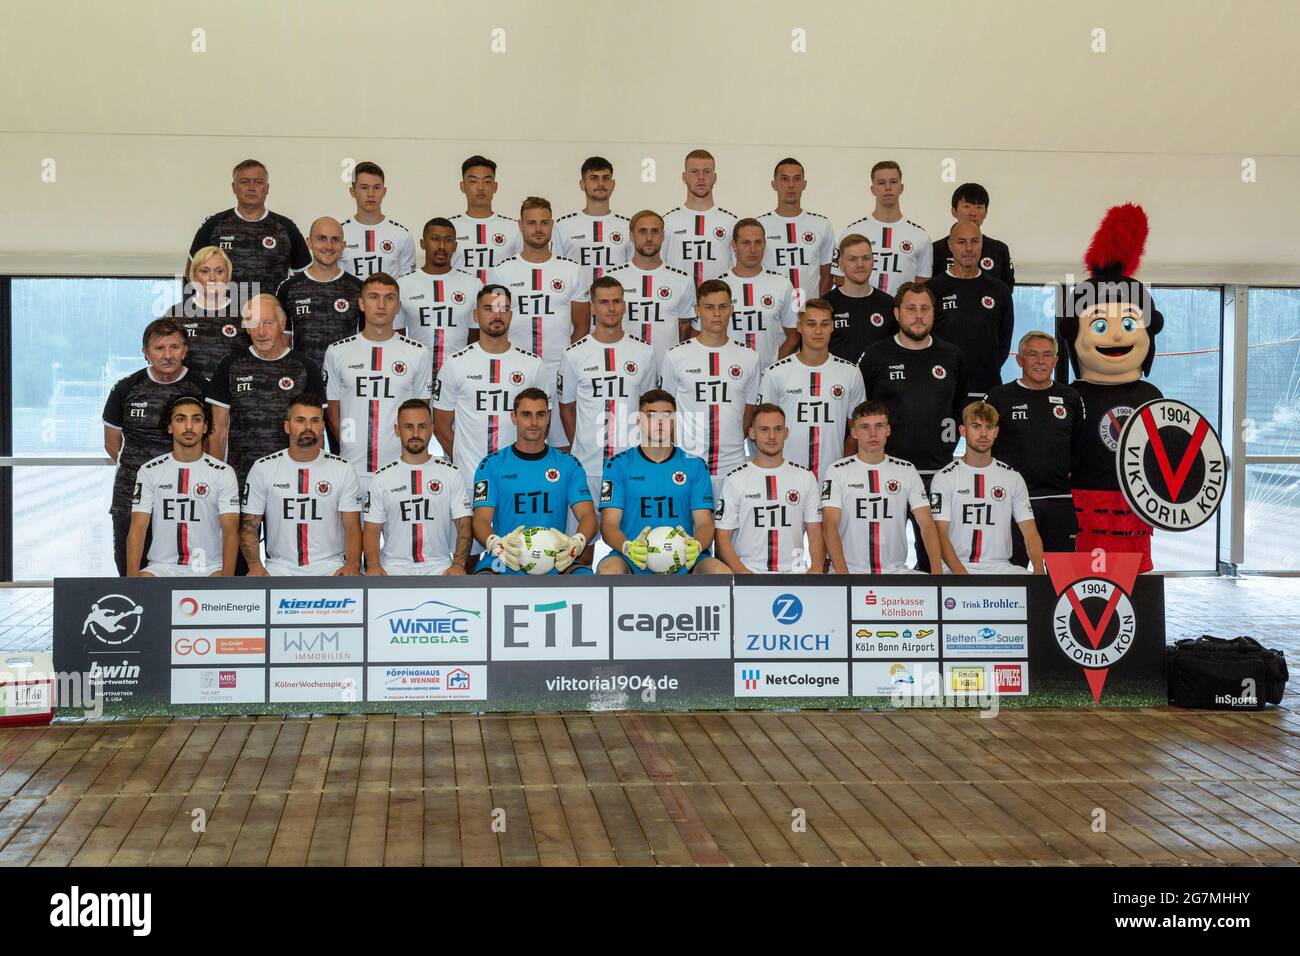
(538, 553)
(665, 550)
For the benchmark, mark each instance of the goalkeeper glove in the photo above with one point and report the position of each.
(568, 550)
(636, 549)
(692, 549)
(509, 548)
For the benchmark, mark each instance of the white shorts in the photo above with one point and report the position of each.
(990, 567)
(180, 571)
(318, 569)
(411, 568)
(858, 569)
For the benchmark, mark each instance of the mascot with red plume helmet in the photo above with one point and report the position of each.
(1107, 325)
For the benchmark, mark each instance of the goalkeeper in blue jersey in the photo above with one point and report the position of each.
(530, 485)
(652, 485)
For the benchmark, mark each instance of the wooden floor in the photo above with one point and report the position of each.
(935, 788)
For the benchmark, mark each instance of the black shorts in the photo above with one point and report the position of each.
(1057, 527)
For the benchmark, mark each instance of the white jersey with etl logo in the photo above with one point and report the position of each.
(417, 505)
(438, 310)
(596, 243)
(482, 243)
(386, 246)
(542, 296)
(874, 501)
(656, 301)
(712, 387)
(185, 501)
(606, 380)
(900, 251)
(303, 503)
(762, 308)
(766, 510)
(480, 388)
(979, 505)
(817, 401)
(797, 247)
(370, 380)
(699, 243)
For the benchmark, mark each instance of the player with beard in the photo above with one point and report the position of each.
(189, 500)
(309, 499)
(1040, 428)
(418, 506)
(322, 304)
(698, 232)
(660, 299)
(975, 311)
(209, 312)
(922, 381)
(437, 300)
(976, 498)
(863, 314)
(595, 238)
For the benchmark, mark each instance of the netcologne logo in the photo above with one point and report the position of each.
(1094, 622)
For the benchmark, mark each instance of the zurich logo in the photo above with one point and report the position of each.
(787, 609)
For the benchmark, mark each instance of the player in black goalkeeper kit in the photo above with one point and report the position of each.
(1040, 428)
(922, 381)
(131, 415)
(264, 247)
(970, 203)
(973, 311)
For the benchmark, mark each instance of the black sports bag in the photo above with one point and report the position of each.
(1217, 674)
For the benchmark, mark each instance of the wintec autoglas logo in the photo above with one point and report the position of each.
(430, 622)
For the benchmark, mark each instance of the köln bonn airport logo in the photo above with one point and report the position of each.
(1171, 466)
(1094, 623)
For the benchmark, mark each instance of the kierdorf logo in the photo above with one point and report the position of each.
(113, 619)
(787, 609)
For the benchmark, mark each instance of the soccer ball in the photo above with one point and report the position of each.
(665, 550)
(538, 554)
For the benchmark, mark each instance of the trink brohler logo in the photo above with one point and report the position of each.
(987, 302)
(229, 330)
(113, 619)
(939, 372)
(1058, 411)
(1094, 623)
(877, 319)
(340, 305)
(268, 242)
(679, 477)
(1172, 470)
(751, 677)
(986, 263)
(285, 383)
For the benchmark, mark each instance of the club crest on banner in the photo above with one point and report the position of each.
(1171, 466)
(1094, 623)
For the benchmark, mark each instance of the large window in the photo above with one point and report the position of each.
(72, 339)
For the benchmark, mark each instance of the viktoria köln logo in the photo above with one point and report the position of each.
(1093, 622)
(1171, 466)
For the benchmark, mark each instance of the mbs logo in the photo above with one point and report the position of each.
(1093, 622)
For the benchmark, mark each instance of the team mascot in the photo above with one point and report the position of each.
(1107, 326)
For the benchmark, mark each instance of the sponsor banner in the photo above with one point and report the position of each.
(219, 646)
(233, 606)
(218, 685)
(984, 604)
(653, 684)
(318, 645)
(696, 624)
(894, 678)
(894, 604)
(891, 639)
(411, 624)
(789, 622)
(985, 678)
(317, 606)
(318, 685)
(782, 679)
(427, 682)
(538, 624)
(985, 640)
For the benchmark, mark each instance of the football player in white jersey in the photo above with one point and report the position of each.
(437, 300)
(188, 499)
(901, 249)
(482, 237)
(976, 498)
(473, 396)
(660, 299)
(602, 378)
(763, 311)
(310, 501)
(698, 233)
(715, 382)
(371, 242)
(595, 238)
(865, 502)
(817, 391)
(768, 505)
(800, 244)
(418, 506)
(368, 375)
(552, 301)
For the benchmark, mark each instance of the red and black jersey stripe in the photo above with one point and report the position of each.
(715, 418)
(815, 431)
(439, 290)
(597, 231)
(647, 293)
(792, 237)
(537, 319)
(182, 527)
(773, 534)
(303, 541)
(480, 239)
(372, 414)
(699, 265)
(977, 536)
(887, 237)
(873, 527)
(371, 245)
(494, 427)
(747, 300)
(417, 527)
(611, 408)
